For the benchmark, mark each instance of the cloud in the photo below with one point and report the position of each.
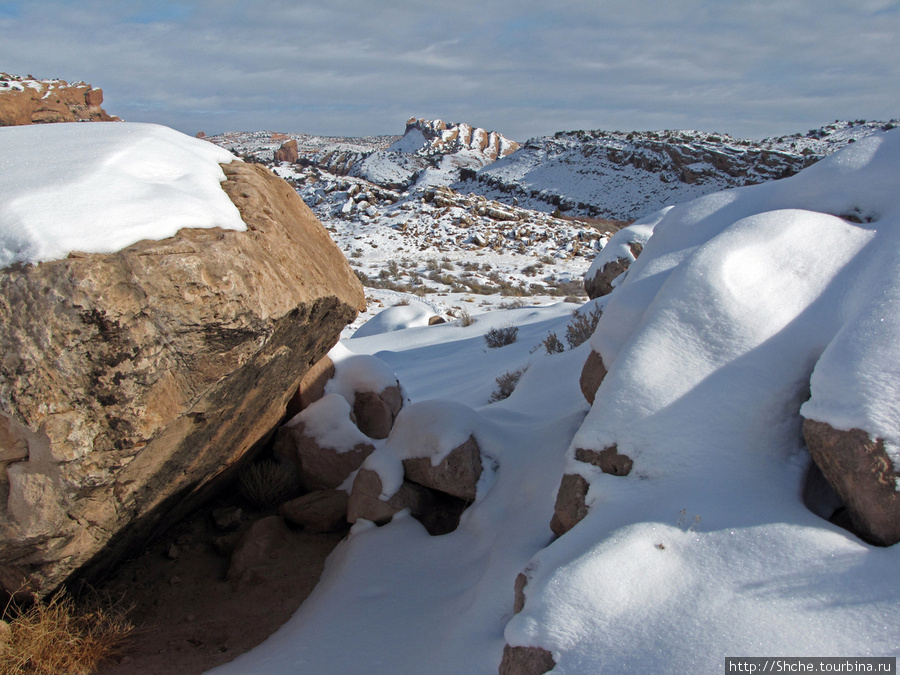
(349, 67)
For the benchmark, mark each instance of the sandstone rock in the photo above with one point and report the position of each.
(592, 375)
(138, 380)
(862, 474)
(457, 474)
(259, 545)
(287, 152)
(436, 320)
(526, 661)
(318, 466)
(319, 511)
(570, 506)
(609, 460)
(373, 416)
(602, 282)
(365, 499)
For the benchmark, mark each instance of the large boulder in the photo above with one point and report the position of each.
(862, 474)
(133, 383)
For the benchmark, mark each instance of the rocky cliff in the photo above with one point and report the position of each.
(133, 383)
(25, 100)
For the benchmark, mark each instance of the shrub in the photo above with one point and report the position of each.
(500, 337)
(552, 344)
(464, 318)
(506, 384)
(266, 484)
(55, 637)
(515, 303)
(582, 326)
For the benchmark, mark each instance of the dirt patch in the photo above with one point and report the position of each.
(190, 618)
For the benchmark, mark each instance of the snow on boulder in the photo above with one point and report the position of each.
(97, 188)
(323, 443)
(135, 382)
(435, 444)
(398, 317)
(370, 386)
(621, 250)
(746, 309)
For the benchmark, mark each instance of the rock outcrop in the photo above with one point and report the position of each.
(287, 152)
(862, 474)
(30, 101)
(134, 383)
(592, 375)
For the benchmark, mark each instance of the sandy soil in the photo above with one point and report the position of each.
(190, 617)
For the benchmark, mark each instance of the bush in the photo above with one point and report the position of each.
(464, 318)
(267, 483)
(582, 326)
(506, 384)
(54, 637)
(500, 337)
(552, 344)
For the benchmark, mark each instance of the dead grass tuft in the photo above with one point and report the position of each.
(56, 637)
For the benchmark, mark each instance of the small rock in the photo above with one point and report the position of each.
(319, 511)
(258, 546)
(457, 474)
(172, 553)
(526, 661)
(570, 506)
(365, 499)
(227, 518)
(592, 375)
(608, 460)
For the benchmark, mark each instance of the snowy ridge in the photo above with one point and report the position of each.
(626, 176)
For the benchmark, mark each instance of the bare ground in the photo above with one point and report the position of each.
(190, 618)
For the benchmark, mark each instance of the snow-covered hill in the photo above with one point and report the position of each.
(628, 175)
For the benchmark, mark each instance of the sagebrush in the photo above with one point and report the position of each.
(506, 384)
(500, 337)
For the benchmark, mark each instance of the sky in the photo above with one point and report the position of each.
(749, 68)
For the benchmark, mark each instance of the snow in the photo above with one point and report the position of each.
(99, 187)
(357, 373)
(328, 421)
(397, 317)
(745, 310)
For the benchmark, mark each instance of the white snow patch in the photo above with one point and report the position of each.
(328, 421)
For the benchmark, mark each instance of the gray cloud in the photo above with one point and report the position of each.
(524, 68)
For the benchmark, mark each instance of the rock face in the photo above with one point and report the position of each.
(30, 101)
(136, 381)
(862, 474)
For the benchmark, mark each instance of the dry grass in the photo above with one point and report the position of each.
(267, 483)
(56, 637)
